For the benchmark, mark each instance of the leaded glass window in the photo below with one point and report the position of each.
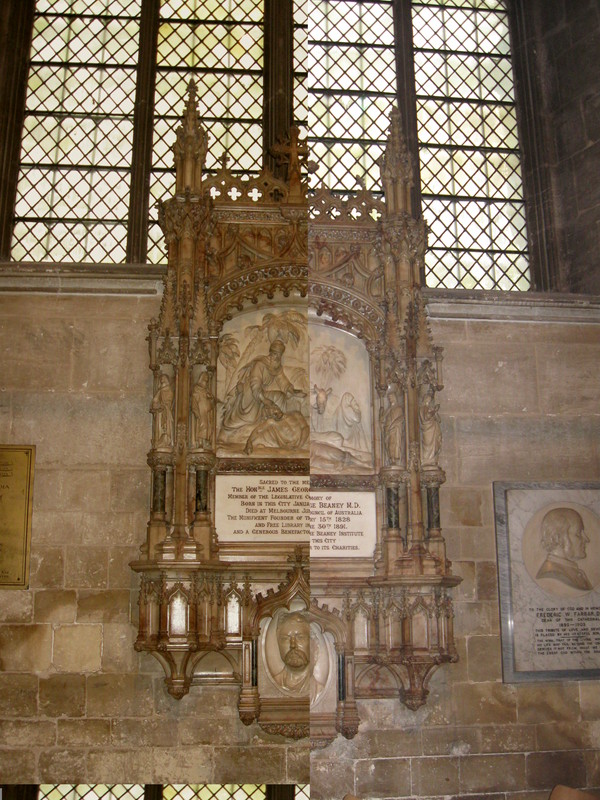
(220, 44)
(72, 193)
(351, 87)
(471, 189)
(83, 791)
(247, 791)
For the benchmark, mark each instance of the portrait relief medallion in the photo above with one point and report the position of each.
(561, 549)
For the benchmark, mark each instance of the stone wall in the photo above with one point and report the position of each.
(77, 703)
(565, 39)
(520, 403)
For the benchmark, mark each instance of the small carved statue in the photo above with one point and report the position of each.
(162, 409)
(202, 405)
(393, 431)
(431, 430)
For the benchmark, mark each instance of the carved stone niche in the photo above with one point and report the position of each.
(378, 560)
(223, 566)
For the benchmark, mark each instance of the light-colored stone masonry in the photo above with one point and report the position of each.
(78, 704)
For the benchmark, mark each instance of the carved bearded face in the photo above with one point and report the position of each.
(293, 638)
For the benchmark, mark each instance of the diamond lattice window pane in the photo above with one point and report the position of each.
(247, 791)
(90, 792)
(219, 45)
(302, 791)
(468, 145)
(73, 189)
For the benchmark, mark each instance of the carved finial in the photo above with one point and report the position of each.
(294, 153)
(396, 167)
(191, 146)
(224, 160)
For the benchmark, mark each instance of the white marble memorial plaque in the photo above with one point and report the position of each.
(549, 565)
(342, 524)
(252, 508)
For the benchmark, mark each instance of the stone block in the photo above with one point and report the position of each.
(220, 730)
(451, 740)
(434, 776)
(558, 702)
(465, 591)
(485, 703)
(546, 770)
(258, 764)
(47, 567)
(383, 777)
(83, 732)
(220, 701)
(195, 765)
(18, 766)
(487, 580)
(469, 366)
(484, 658)
(497, 773)
(57, 527)
(118, 654)
(77, 648)
(103, 606)
(465, 507)
(107, 528)
(475, 618)
(591, 116)
(120, 574)
(86, 490)
(507, 738)
(85, 429)
(16, 606)
(127, 733)
(298, 763)
(331, 777)
(25, 648)
(477, 543)
(41, 361)
(119, 696)
(103, 364)
(47, 496)
(54, 765)
(18, 695)
(55, 605)
(592, 766)
(87, 567)
(527, 448)
(62, 696)
(129, 490)
(589, 699)
(387, 743)
(28, 733)
(563, 736)
(569, 380)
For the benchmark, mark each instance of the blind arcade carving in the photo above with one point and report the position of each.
(285, 349)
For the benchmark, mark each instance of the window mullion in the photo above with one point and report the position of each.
(278, 100)
(143, 127)
(16, 28)
(406, 94)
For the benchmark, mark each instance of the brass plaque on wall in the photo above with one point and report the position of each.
(16, 505)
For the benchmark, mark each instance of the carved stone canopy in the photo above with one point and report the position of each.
(247, 417)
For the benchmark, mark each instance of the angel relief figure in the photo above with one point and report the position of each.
(264, 408)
